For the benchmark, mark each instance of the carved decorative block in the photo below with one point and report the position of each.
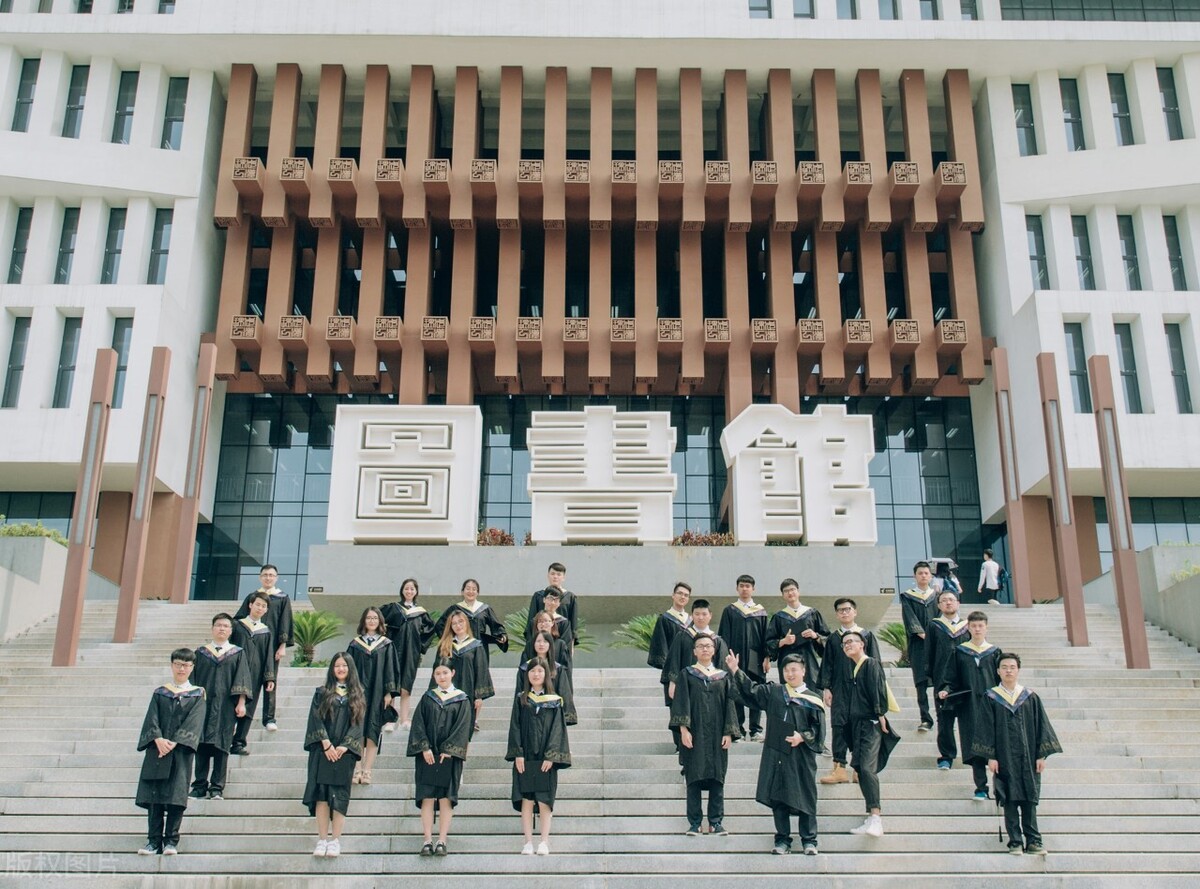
(554, 225)
(246, 167)
(505, 225)
(670, 330)
(436, 169)
(368, 222)
(291, 327)
(812, 173)
(738, 226)
(275, 221)
(811, 330)
(859, 331)
(293, 168)
(462, 223)
(318, 222)
(716, 330)
(227, 222)
(858, 173)
(670, 171)
(646, 225)
(578, 171)
(387, 327)
(599, 225)
(624, 330)
(905, 330)
(764, 173)
(416, 222)
(831, 225)
(273, 379)
(953, 330)
(624, 171)
(878, 225)
(341, 169)
(244, 327)
(435, 328)
(338, 327)
(927, 226)
(692, 225)
(906, 173)
(481, 329)
(764, 330)
(388, 169)
(952, 172)
(529, 330)
(717, 172)
(692, 381)
(529, 171)
(483, 170)
(575, 330)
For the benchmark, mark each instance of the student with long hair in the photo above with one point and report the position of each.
(543, 645)
(334, 741)
(441, 730)
(410, 629)
(375, 660)
(486, 625)
(467, 657)
(537, 748)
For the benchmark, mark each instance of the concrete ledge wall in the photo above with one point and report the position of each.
(31, 578)
(619, 581)
(1168, 603)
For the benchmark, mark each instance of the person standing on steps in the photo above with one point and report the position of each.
(556, 579)
(871, 737)
(486, 627)
(968, 674)
(255, 639)
(170, 735)
(795, 734)
(796, 629)
(375, 663)
(918, 606)
(991, 579)
(683, 649)
(334, 741)
(467, 657)
(279, 619)
(744, 629)
(838, 682)
(946, 632)
(669, 625)
(441, 731)
(1015, 737)
(537, 748)
(410, 629)
(223, 673)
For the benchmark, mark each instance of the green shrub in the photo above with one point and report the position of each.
(310, 629)
(24, 529)
(896, 636)
(635, 633)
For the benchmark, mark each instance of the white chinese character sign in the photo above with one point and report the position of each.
(599, 476)
(800, 477)
(405, 474)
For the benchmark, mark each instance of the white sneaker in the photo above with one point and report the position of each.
(333, 849)
(862, 828)
(874, 826)
(527, 849)
(543, 849)
(272, 727)
(319, 852)
(389, 726)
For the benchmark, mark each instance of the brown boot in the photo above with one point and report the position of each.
(837, 776)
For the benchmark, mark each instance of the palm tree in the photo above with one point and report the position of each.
(311, 628)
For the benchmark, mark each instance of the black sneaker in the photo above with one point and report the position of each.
(718, 830)
(693, 830)
(1015, 849)
(1035, 849)
(148, 849)
(440, 850)
(197, 793)
(240, 751)
(426, 850)
(215, 794)
(925, 726)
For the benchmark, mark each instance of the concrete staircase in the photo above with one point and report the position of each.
(1120, 805)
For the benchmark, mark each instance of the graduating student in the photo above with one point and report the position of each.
(744, 628)
(682, 654)
(559, 625)
(410, 629)
(375, 663)
(666, 628)
(556, 579)
(223, 672)
(486, 625)
(966, 677)
(1015, 736)
(279, 619)
(170, 736)
(702, 709)
(545, 646)
(334, 741)
(795, 734)
(871, 738)
(946, 632)
(467, 657)
(837, 681)
(918, 606)
(441, 730)
(796, 629)
(537, 748)
(254, 637)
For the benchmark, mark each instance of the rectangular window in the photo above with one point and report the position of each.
(124, 6)
(66, 245)
(76, 94)
(969, 10)
(887, 10)
(16, 265)
(1083, 253)
(1038, 267)
(1175, 252)
(847, 9)
(1128, 367)
(45, 5)
(1170, 103)
(1183, 392)
(25, 88)
(1122, 119)
(16, 361)
(1072, 115)
(122, 337)
(166, 7)
(160, 245)
(760, 9)
(123, 118)
(803, 9)
(1023, 116)
(6, 5)
(930, 10)
(172, 134)
(114, 241)
(83, 6)
(1077, 367)
(1125, 234)
(67, 357)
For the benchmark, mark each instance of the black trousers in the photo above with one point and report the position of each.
(268, 697)
(245, 722)
(755, 715)
(839, 738)
(208, 755)
(923, 702)
(1021, 819)
(806, 826)
(946, 715)
(980, 774)
(716, 802)
(165, 822)
(867, 738)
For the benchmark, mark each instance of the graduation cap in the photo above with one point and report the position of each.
(887, 744)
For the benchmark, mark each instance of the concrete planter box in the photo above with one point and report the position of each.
(31, 579)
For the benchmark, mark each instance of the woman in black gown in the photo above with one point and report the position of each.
(375, 660)
(333, 740)
(410, 629)
(441, 730)
(537, 748)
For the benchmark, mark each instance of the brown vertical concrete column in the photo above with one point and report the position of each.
(829, 306)
(112, 523)
(600, 221)
(418, 144)
(780, 147)
(87, 493)
(1116, 498)
(235, 142)
(377, 112)
(827, 138)
(960, 125)
(1010, 481)
(327, 277)
(133, 567)
(736, 131)
(645, 249)
(873, 140)
(327, 142)
(920, 306)
(189, 510)
(508, 289)
(1062, 510)
(691, 297)
(554, 213)
(370, 304)
(918, 147)
(964, 301)
(878, 364)
(459, 366)
(281, 143)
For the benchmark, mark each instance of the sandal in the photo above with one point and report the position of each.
(357, 779)
(365, 778)
(426, 850)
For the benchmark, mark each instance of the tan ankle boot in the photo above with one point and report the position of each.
(837, 776)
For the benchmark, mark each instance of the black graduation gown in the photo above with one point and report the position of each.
(787, 775)
(939, 648)
(683, 653)
(410, 630)
(745, 632)
(917, 613)
(376, 665)
(178, 716)
(808, 649)
(537, 731)
(440, 725)
(703, 704)
(968, 675)
(665, 630)
(470, 666)
(341, 731)
(278, 616)
(837, 671)
(1016, 735)
(562, 632)
(563, 686)
(868, 702)
(485, 624)
(568, 608)
(224, 680)
(258, 644)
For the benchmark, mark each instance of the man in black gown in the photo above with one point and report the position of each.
(744, 628)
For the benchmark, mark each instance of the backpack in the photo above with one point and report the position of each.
(1003, 576)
